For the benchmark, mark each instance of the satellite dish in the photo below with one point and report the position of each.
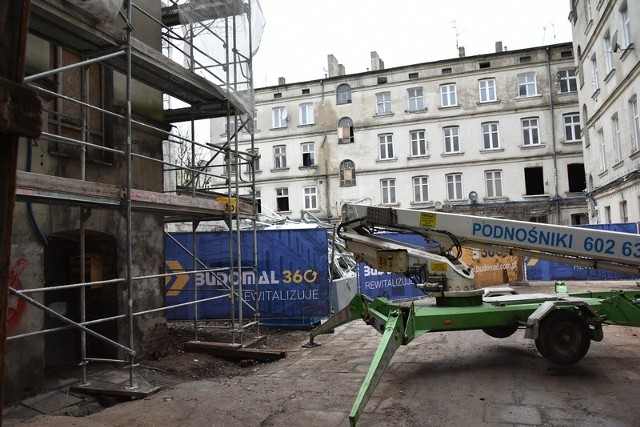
(473, 196)
(285, 115)
(438, 205)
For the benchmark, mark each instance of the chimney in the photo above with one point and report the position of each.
(461, 51)
(333, 65)
(281, 81)
(376, 62)
(498, 46)
(341, 70)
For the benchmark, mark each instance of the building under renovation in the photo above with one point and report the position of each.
(121, 87)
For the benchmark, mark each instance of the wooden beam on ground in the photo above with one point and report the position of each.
(233, 351)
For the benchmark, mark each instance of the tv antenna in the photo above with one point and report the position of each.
(455, 28)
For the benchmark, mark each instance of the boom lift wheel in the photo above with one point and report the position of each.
(564, 337)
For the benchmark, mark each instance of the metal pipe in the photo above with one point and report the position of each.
(72, 66)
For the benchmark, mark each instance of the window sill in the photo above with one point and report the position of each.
(284, 212)
(570, 92)
(635, 154)
(536, 196)
(610, 75)
(448, 107)
(421, 157)
(306, 125)
(595, 94)
(280, 170)
(571, 142)
(249, 173)
(312, 167)
(528, 97)
(532, 146)
(457, 153)
(492, 102)
(387, 205)
(627, 50)
(499, 199)
(420, 111)
(344, 142)
(603, 173)
(395, 159)
(279, 128)
(491, 150)
(618, 164)
(427, 204)
(382, 115)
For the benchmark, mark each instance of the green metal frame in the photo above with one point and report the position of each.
(401, 323)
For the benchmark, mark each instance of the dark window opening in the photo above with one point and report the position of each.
(413, 76)
(525, 59)
(382, 80)
(542, 219)
(484, 65)
(447, 70)
(305, 91)
(534, 181)
(307, 159)
(577, 178)
(579, 219)
(566, 54)
(282, 200)
(277, 95)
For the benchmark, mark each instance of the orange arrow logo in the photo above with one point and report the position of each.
(179, 283)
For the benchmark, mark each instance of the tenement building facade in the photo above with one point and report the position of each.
(496, 134)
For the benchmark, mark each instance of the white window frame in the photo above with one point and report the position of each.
(490, 136)
(421, 189)
(279, 117)
(451, 139)
(625, 28)
(388, 191)
(415, 99)
(595, 78)
(608, 54)
(487, 90)
(308, 152)
(280, 157)
(603, 151)
(419, 145)
(454, 186)
(448, 95)
(383, 103)
(635, 123)
(617, 142)
(527, 85)
(385, 146)
(311, 198)
(493, 181)
(306, 114)
(571, 126)
(530, 131)
(568, 80)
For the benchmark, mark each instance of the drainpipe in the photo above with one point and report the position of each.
(553, 136)
(327, 188)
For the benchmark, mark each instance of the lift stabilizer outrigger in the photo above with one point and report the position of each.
(562, 325)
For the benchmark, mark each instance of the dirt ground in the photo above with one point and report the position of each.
(177, 365)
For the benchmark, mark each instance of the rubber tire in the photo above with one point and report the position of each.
(564, 337)
(500, 331)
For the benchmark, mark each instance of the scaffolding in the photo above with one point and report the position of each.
(93, 61)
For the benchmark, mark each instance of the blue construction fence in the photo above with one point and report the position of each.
(292, 275)
(549, 270)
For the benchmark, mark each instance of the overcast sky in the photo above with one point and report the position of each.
(299, 34)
